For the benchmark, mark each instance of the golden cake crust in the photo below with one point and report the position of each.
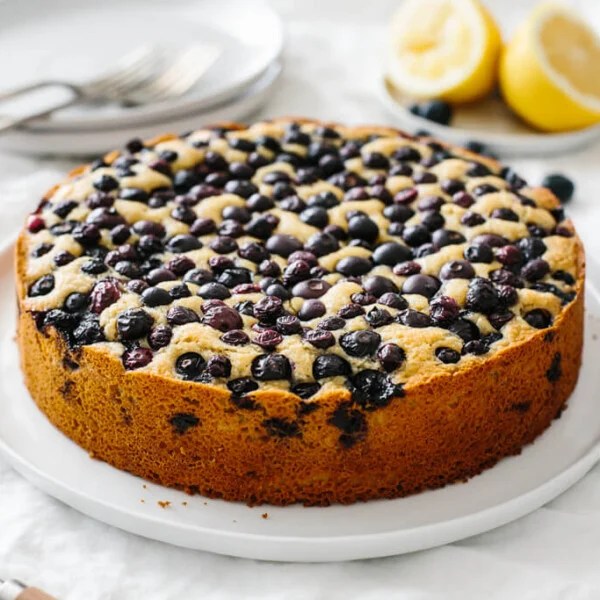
(274, 448)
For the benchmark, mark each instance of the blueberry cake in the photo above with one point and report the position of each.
(299, 312)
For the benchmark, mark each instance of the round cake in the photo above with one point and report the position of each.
(295, 311)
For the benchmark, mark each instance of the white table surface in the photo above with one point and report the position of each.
(552, 554)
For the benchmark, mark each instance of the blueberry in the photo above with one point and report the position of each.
(562, 187)
(447, 355)
(189, 365)
(437, 111)
(332, 323)
(242, 386)
(269, 367)
(415, 235)
(197, 276)
(391, 356)
(499, 319)
(149, 228)
(446, 237)
(463, 199)
(259, 203)
(218, 366)
(425, 285)
(319, 338)
(457, 269)
(477, 347)
(136, 358)
(155, 296)
(283, 244)
(160, 337)
(63, 258)
(268, 309)
(235, 337)
(321, 244)
(41, 249)
(407, 154)
(443, 310)
(393, 300)
(377, 285)
(234, 276)
(531, 247)
(183, 243)
(378, 317)
(131, 194)
(535, 269)
(432, 220)
(315, 216)
(391, 253)
(311, 309)
(538, 318)
(222, 318)
(414, 318)
(213, 290)
(505, 214)
(134, 323)
(305, 391)
(76, 302)
(288, 325)
(311, 288)
(62, 209)
(95, 266)
(104, 293)
(398, 213)
(105, 183)
(88, 331)
(180, 315)
(360, 343)
(352, 266)
(479, 253)
(363, 228)
(42, 286)
(330, 365)
(472, 219)
(372, 389)
(482, 296)
(203, 226)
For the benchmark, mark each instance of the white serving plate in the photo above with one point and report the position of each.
(511, 489)
(75, 40)
(489, 122)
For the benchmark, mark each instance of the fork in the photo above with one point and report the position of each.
(134, 82)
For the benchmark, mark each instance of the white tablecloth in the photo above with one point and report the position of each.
(552, 554)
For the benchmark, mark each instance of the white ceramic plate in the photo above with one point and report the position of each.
(511, 489)
(71, 39)
(85, 143)
(489, 122)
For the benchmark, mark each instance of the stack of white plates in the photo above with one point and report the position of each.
(75, 40)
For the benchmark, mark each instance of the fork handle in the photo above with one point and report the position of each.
(33, 87)
(8, 123)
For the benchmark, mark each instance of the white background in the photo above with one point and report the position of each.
(331, 63)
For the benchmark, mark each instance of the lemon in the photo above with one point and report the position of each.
(445, 49)
(549, 71)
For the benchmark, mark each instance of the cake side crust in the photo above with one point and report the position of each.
(447, 428)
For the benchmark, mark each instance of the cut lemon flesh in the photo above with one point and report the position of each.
(549, 71)
(444, 49)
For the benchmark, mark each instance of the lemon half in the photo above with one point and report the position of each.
(445, 49)
(550, 71)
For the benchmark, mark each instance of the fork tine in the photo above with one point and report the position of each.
(179, 77)
(135, 65)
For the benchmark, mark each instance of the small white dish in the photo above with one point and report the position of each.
(85, 142)
(489, 122)
(76, 41)
(511, 489)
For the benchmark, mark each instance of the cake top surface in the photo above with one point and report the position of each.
(299, 257)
